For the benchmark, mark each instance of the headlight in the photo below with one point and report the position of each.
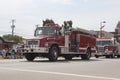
(106, 50)
(46, 44)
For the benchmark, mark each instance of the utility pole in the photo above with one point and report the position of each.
(13, 26)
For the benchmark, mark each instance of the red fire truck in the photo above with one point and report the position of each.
(52, 41)
(107, 47)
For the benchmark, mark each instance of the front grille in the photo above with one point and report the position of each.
(33, 43)
(100, 49)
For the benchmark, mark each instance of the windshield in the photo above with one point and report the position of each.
(103, 43)
(45, 31)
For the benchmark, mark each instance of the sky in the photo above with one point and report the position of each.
(86, 14)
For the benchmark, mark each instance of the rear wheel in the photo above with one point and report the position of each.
(107, 56)
(68, 57)
(30, 57)
(113, 55)
(96, 56)
(118, 56)
(53, 53)
(87, 55)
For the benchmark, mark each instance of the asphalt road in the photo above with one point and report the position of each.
(77, 69)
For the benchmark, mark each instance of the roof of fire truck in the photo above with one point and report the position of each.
(84, 31)
(72, 29)
(101, 39)
(51, 24)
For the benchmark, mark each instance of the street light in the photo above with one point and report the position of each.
(101, 27)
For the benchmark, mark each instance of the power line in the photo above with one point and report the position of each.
(15, 33)
(23, 34)
(4, 32)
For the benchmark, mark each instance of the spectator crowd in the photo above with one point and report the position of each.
(8, 53)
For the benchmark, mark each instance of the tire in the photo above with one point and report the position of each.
(113, 55)
(68, 57)
(96, 56)
(30, 57)
(107, 56)
(87, 55)
(53, 53)
(118, 56)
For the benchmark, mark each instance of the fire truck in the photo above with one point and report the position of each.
(52, 41)
(107, 47)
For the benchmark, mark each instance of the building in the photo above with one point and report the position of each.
(117, 34)
(6, 44)
(105, 34)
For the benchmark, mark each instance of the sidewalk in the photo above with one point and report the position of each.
(1, 58)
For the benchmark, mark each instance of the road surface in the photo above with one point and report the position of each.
(77, 69)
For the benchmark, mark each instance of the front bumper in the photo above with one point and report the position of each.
(35, 50)
(104, 53)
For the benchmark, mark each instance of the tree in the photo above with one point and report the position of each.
(67, 25)
(47, 21)
(118, 25)
(16, 38)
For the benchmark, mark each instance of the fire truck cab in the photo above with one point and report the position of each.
(107, 47)
(52, 41)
